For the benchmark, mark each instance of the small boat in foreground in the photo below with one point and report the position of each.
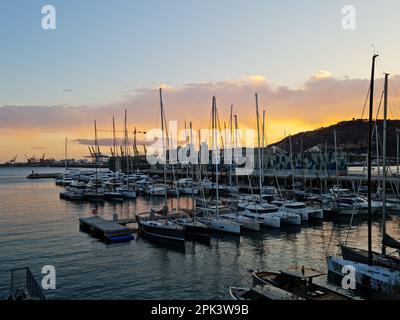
(266, 292)
(299, 284)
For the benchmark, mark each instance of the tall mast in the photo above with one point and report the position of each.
(96, 153)
(384, 161)
(259, 147)
(114, 151)
(326, 164)
(377, 153)
(291, 163)
(215, 146)
(263, 143)
(371, 110)
(192, 148)
(236, 145)
(231, 145)
(65, 160)
(126, 151)
(336, 159)
(163, 144)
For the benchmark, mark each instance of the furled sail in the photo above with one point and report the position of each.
(390, 242)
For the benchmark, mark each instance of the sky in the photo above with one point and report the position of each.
(105, 56)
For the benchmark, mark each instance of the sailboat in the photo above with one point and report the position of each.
(162, 228)
(374, 271)
(194, 229)
(66, 178)
(94, 190)
(217, 223)
(110, 189)
(127, 190)
(300, 208)
(257, 208)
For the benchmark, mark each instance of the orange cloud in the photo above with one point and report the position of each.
(320, 101)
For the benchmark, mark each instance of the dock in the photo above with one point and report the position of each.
(106, 230)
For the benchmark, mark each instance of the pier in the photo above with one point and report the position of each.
(312, 179)
(105, 230)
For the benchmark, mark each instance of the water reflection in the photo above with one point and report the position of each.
(38, 228)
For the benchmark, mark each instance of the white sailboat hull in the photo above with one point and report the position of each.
(303, 213)
(157, 192)
(222, 225)
(225, 226)
(268, 220)
(383, 280)
(289, 218)
(245, 223)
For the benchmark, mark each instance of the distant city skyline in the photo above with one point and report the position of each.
(104, 57)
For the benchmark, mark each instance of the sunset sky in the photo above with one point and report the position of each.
(105, 56)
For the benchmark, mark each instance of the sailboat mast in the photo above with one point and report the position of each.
(377, 153)
(291, 163)
(231, 145)
(336, 159)
(371, 110)
(384, 161)
(114, 151)
(192, 146)
(163, 143)
(216, 155)
(263, 143)
(65, 160)
(126, 150)
(236, 146)
(326, 164)
(259, 147)
(96, 153)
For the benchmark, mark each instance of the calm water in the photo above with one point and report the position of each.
(37, 228)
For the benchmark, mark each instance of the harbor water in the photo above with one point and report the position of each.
(37, 229)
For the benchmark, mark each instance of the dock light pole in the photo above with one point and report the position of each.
(370, 124)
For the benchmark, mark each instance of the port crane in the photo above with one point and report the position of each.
(135, 149)
(12, 161)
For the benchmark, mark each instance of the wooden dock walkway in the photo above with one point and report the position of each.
(106, 230)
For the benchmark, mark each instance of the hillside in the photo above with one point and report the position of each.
(351, 137)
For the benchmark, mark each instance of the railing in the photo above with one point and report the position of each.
(22, 280)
